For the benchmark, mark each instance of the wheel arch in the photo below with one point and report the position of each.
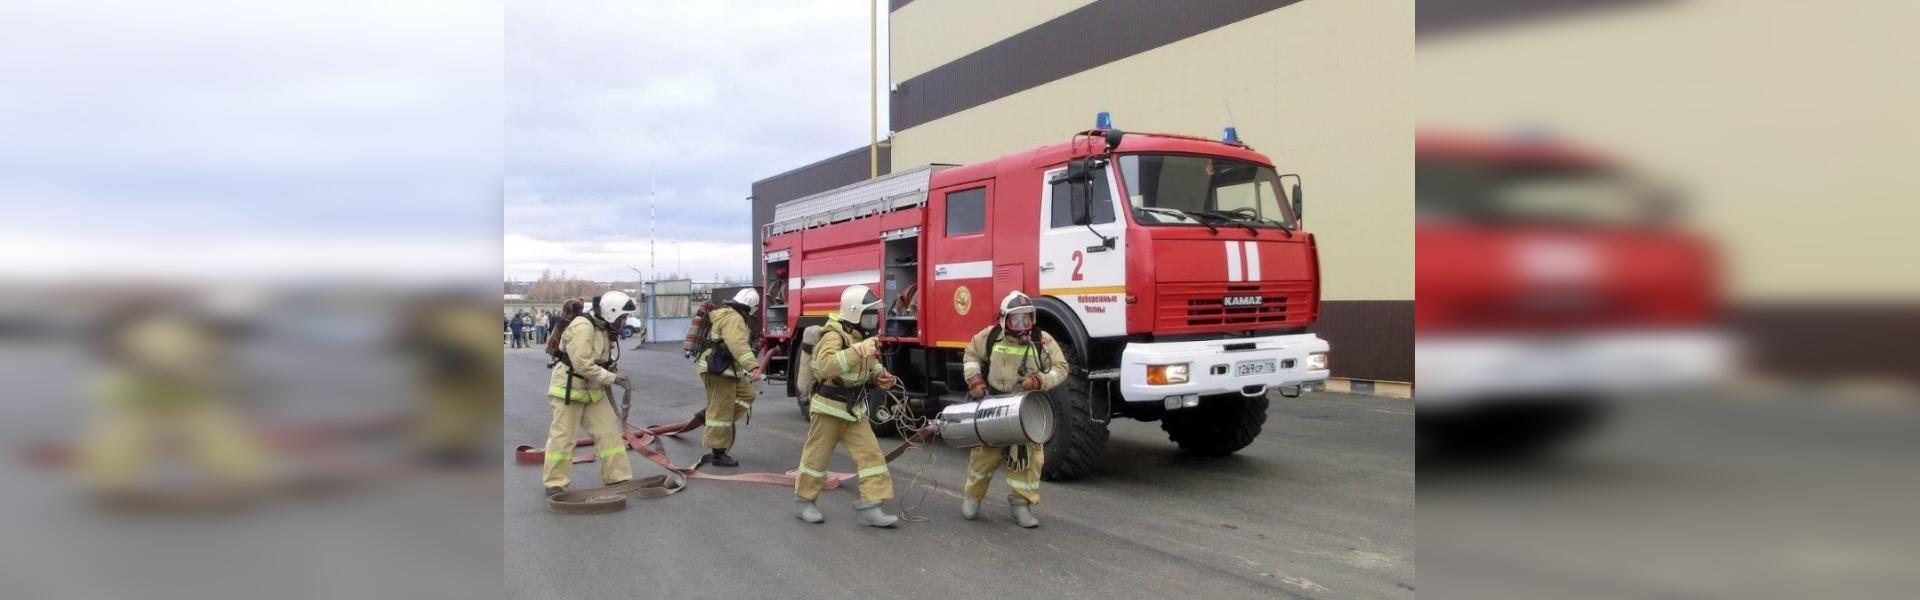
(1063, 318)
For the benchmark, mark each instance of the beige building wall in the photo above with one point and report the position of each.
(1792, 126)
(929, 33)
(1323, 88)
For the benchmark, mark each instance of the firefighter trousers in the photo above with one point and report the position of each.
(601, 423)
(119, 450)
(825, 432)
(1023, 484)
(728, 400)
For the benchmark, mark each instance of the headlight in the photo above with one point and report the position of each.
(1317, 361)
(1166, 374)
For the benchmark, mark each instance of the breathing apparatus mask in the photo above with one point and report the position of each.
(1017, 314)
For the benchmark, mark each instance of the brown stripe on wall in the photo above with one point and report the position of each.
(1441, 17)
(1833, 340)
(826, 174)
(1370, 339)
(1090, 36)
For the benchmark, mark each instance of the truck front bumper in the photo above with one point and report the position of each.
(1213, 367)
(1456, 369)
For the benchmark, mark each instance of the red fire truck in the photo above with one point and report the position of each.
(1172, 270)
(1550, 280)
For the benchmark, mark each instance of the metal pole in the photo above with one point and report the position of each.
(652, 176)
(873, 89)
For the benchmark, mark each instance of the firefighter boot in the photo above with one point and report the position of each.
(808, 512)
(970, 508)
(721, 459)
(869, 513)
(552, 490)
(1023, 514)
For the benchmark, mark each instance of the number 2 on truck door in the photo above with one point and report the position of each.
(1074, 266)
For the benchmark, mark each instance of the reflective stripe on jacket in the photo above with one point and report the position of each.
(585, 345)
(730, 328)
(1010, 359)
(833, 365)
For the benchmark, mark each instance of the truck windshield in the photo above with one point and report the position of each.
(1531, 194)
(1172, 189)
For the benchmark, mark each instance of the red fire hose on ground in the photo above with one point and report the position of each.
(646, 441)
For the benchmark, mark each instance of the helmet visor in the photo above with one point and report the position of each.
(1020, 321)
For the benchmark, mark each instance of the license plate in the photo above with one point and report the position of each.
(1255, 367)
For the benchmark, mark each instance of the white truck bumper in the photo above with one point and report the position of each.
(1463, 369)
(1216, 367)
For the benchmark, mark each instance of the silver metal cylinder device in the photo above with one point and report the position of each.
(1018, 418)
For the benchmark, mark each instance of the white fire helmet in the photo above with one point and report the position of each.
(613, 305)
(859, 306)
(1016, 312)
(748, 298)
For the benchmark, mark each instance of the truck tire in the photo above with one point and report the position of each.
(1219, 426)
(887, 429)
(1506, 429)
(1078, 437)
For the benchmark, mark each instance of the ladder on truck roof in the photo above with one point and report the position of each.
(886, 193)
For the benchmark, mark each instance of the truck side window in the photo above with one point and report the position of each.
(967, 212)
(1101, 200)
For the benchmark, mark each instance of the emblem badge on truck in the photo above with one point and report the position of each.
(1241, 300)
(962, 300)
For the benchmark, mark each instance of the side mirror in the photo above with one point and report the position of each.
(1082, 205)
(1079, 170)
(1297, 199)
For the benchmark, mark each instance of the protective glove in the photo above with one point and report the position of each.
(884, 380)
(1031, 383)
(866, 349)
(976, 387)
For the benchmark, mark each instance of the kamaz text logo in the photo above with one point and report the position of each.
(1242, 300)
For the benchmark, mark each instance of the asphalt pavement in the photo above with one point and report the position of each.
(1320, 506)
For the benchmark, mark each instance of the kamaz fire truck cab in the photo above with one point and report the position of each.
(1551, 280)
(1172, 269)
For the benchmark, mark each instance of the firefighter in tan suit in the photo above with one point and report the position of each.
(730, 392)
(579, 390)
(845, 366)
(1011, 356)
(170, 379)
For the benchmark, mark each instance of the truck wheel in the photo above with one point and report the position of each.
(887, 429)
(1495, 430)
(1078, 438)
(1219, 426)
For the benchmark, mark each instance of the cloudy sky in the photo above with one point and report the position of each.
(708, 96)
(224, 139)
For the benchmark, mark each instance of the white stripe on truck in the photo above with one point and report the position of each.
(979, 269)
(1233, 260)
(1253, 260)
(840, 279)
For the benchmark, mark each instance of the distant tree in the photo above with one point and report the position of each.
(551, 287)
